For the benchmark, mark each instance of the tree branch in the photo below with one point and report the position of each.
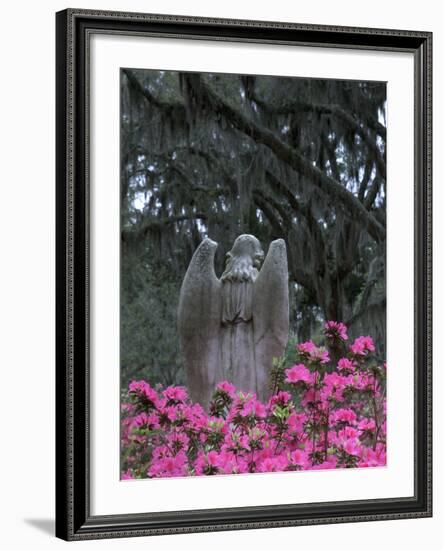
(132, 235)
(340, 114)
(137, 86)
(292, 157)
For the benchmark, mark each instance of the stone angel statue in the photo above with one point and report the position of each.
(232, 327)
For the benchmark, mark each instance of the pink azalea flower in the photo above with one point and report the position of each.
(276, 464)
(366, 425)
(313, 353)
(345, 364)
(372, 458)
(280, 398)
(207, 463)
(143, 389)
(333, 329)
(310, 396)
(296, 421)
(175, 393)
(299, 458)
(307, 347)
(352, 446)
(227, 462)
(241, 466)
(343, 415)
(147, 421)
(247, 408)
(178, 441)
(298, 373)
(169, 466)
(227, 388)
(328, 464)
(362, 346)
(167, 413)
(260, 410)
(348, 433)
(333, 388)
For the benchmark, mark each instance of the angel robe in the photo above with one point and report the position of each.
(237, 357)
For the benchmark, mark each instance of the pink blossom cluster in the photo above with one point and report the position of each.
(335, 330)
(323, 416)
(310, 352)
(362, 345)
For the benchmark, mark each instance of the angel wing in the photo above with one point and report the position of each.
(270, 312)
(199, 314)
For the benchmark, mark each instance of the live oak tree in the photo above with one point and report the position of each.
(219, 155)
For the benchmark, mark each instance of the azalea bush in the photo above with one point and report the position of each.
(326, 411)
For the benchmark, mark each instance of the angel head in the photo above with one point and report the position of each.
(244, 260)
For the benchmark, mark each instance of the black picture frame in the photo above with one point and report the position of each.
(73, 518)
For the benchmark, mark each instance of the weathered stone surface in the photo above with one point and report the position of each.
(270, 313)
(231, 328)
(199, 314)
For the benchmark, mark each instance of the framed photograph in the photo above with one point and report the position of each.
(243, 274)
